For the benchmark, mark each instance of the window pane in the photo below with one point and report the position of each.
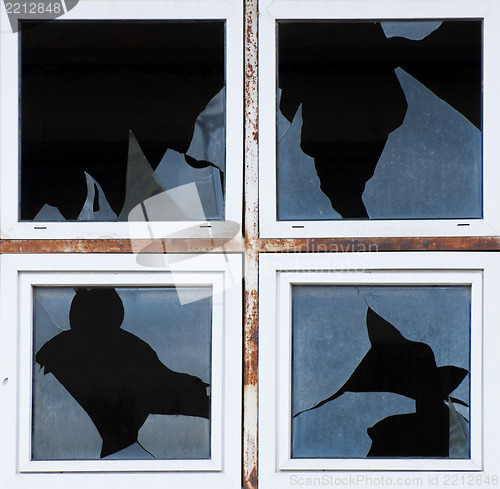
(121, 373)
(379, 120)
(372, 370)
(113, 113)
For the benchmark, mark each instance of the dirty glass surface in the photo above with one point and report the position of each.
(121, 373)
(116, 112)
(379, 120)
(380, 371)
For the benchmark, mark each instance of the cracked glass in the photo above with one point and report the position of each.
(116, 112)
(380, 371)
(121, 373)
(379, 120)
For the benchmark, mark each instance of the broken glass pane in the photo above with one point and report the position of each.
(121, 373)
(379, 120)
(380, 371)
(164, 82)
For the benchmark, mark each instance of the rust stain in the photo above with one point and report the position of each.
(251, 479)
(251, 240)
(201, 245)
(251, 232)
(346, 245)
(251, 338)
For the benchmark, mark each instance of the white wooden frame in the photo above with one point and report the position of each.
(277, 274)
(19, 274)
(229, 10)
(274, 10)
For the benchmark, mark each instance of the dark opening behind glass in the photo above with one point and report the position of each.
(85, 85)
(379, 120)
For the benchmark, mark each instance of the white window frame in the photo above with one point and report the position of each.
(480, 271)
(229, 10)
(21, 273)
(275, 10)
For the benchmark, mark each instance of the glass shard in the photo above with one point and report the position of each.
(282, 124)
(142, 182)
(174, 171)
(459, 434)
(444, 149)
(49, 213)
(414, 30)
(297, 176)
(208, 142)
(96, 206)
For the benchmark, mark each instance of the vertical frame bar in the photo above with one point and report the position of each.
(251, 219)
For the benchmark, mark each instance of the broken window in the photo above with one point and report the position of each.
(122, 373)
(380, 371)
(116, 112)
(379, 120)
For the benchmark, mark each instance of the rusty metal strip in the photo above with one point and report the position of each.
(177, 245)
(250, 370)
(319, 245)
(251, 244)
